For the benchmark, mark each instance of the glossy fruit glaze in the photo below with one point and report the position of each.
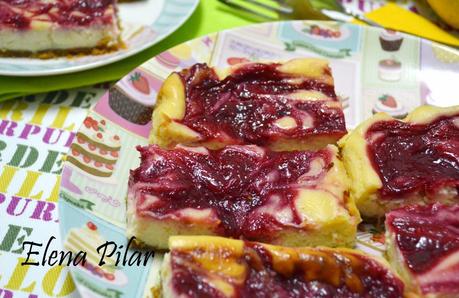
(244, 106)
(415, 158)
(426, 236)
(303, 273)
(19, 14)
(233, 182)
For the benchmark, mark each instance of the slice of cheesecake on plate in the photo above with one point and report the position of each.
(203, 266)
(293, 198)
(423, 245)
(284, 106)
(393, 163)
(46, 28)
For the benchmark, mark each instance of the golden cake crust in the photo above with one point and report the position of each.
(51, 54)
(327, 215)
(228, 265)
(46, 29)
(365, 180)
(168, 127)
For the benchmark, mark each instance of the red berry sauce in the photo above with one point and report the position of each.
(233, 182)
(415, 158)
(245, 105)
(18, 14)
(425, 236)
(327, 274)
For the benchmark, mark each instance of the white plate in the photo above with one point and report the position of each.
(145, 23)
(428, 74)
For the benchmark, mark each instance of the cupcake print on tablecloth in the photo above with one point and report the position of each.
(95, 150)
(388, 104)
(390, 69)
(133, 97)
(390, 40)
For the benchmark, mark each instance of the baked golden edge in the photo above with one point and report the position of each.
(190, 242)
(101, 49)
(332, 230)
(365, 181)
(170, 108)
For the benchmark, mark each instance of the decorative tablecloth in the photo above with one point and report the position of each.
(35, 134)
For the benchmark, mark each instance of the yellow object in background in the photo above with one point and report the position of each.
(448, 10)
(397, 18)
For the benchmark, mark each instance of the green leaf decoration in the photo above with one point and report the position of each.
(135, 77)
(383, 97)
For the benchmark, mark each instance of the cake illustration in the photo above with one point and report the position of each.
(390, 40)
(390, 69)
(388, 104)
(179, 56)
(326, 31)
(133, 97)
(95, 149)
(88, 239)
(168, 60)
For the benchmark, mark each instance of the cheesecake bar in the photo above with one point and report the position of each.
(393, 163)
(203, 266)
(284, 106)
(423, 245)
(45, 28)
(290, 198)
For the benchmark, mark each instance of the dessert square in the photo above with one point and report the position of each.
(423, 245)
(293, 198)
(284, 106)
(203, 266)
(45, 28)
(393, 163)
